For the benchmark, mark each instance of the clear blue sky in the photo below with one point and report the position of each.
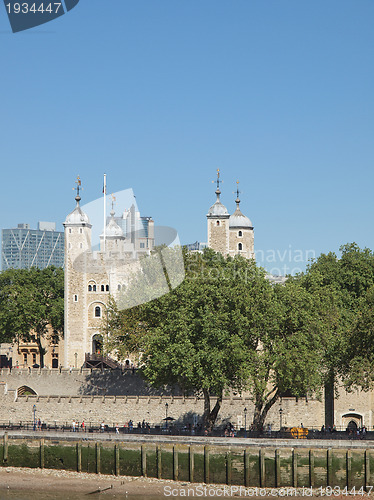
(160, 93)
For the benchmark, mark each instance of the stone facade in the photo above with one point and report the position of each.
(229, 235)
(116, 396)
(92, 277)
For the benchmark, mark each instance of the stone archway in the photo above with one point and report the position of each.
(352, 421)
(24, 390)
(97, 344)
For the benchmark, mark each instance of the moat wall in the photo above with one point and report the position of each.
(242, 466)
(116, 397)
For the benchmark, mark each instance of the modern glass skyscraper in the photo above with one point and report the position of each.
(22, 247)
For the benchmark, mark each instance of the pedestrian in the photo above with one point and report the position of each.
(82, 426)
(74, 426)
(102, 426)
(39, 424)
(117, 429)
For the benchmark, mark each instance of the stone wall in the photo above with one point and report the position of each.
(116, 396)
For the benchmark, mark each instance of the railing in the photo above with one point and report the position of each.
(175, 430)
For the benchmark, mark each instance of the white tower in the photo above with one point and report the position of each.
(77, 255)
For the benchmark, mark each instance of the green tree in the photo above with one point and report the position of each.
(350, 279)
(226, 328)
(31, 305)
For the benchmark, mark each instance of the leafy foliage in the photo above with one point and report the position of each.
(31, 304)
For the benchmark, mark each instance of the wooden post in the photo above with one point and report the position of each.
(294, 468)
(349, 469)
(144, 460)
(228, 468)
(175, 463)
(5, 446)
(79, 456)
(98, 449)
(191, 463)
(367, 468)
(277, 468)
(311, 468)
(206, 464)
(41, 449)
(246, 467)
(329, 468)
(116, 459)
(262, 468)
(158, 458)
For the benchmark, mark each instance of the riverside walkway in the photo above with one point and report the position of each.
(190, 440)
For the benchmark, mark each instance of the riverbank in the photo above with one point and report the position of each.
(41, 484)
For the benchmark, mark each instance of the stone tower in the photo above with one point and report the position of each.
(77, 247)
(241, 235)
(229, 234)
(218, 224)
(91, 278)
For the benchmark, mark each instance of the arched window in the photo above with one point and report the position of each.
(119, 288)
(80, 230)
(107, 288)
(217, 222)
(90, 288)
(240, 233)
(97, 312)
(102, 288)
(94, 288)
(240, 246)
(75, 298)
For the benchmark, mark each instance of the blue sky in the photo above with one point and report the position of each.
(160, 93)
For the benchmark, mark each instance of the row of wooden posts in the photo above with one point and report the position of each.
(228, 459)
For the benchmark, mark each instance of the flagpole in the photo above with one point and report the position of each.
(104, 192)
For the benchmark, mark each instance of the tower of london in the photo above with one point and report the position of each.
(229, 234)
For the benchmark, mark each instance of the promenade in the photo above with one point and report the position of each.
(238, 442)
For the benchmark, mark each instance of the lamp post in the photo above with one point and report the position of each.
(280, 418)
(166, 414)
(245, 422)
(34, 412)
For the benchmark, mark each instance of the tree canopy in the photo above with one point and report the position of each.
(31, 304)
(225, 327)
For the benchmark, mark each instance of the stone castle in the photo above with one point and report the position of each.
(90, 278)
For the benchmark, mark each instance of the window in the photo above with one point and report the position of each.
(25, 358)
(69, 229)
(240, 234)
(240, 246)
(33, 358)
(119, 288)
(81, 230)
(90, 288)
(102, 288)
(76, 297)
(107, 288)
(217, 222)
(94, 288)
(97, 312)
(142, 245)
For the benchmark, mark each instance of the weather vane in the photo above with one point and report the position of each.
(237, 190)
(78, 185)
(113, 200)
(218, 181)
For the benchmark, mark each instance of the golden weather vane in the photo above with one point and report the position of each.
(78, 186)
